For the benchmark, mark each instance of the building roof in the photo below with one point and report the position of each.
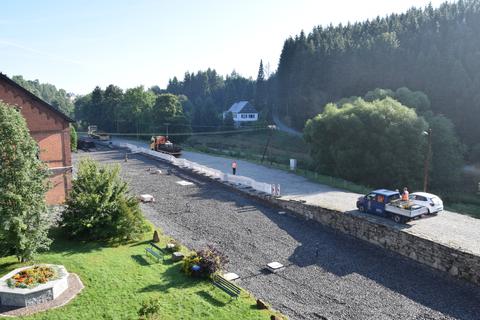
(34, 97)
(242, 107)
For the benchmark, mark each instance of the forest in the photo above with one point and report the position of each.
(436, 51)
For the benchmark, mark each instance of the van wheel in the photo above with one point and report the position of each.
(397, 218)
(362, 209)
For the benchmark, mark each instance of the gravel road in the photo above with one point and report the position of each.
(327, 276)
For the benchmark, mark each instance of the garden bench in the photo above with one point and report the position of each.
(156, 252)
(228, 287)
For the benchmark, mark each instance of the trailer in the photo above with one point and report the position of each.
(388, 203)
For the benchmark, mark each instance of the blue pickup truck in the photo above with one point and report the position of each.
(388, 203)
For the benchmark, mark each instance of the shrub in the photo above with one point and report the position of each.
(210, 261)
(150, 309)
(99, 207)
(73, 139)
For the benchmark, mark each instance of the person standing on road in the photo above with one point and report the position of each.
(234, 167)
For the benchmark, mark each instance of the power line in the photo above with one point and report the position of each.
(181, 133)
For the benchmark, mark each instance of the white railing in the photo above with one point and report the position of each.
(212, 173)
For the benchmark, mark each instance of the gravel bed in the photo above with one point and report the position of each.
(327, 276)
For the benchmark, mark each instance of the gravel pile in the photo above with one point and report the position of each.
(327, 275)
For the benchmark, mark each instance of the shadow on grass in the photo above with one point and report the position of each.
(7, 266)
(68, 247)
(172, 277)
(210, 299)
(140, 260)
(141, 243)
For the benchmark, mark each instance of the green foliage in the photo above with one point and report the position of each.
(73, 139)
(447, 154)
(99, 207)
(150, 309)
(23, 212)
(168, 109)
(432, 50)
(377, 143)
(228, 123)
(48, 92)
(475, 153)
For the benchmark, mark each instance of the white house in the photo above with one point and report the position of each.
(242, 111)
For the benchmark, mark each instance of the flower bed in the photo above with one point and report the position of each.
(32, 277)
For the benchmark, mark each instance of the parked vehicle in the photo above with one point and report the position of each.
(432, 202)
(388, 203)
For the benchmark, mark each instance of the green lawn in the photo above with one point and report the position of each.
(118, 279)
(251, 145)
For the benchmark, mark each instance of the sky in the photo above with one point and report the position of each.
(77, 45)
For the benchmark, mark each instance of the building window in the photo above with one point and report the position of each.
(244, 116)
(251, 116)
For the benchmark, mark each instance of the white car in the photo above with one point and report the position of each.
(433, 203)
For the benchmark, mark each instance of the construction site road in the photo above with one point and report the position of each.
(448, 228)
(328, 275)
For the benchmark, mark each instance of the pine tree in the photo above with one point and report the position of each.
(260, 93)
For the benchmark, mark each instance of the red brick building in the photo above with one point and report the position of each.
(50, 128)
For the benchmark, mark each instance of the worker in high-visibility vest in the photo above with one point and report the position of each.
(234, 167)
(405, 194)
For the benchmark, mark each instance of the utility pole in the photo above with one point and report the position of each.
(271, 128)
(167, 124)
(428, 157)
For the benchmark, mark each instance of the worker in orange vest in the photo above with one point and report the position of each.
(234, 167)
(405, 194)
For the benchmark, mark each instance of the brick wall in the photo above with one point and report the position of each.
(52, 134)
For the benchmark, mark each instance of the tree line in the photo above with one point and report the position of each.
(137, 110)
(58, 98)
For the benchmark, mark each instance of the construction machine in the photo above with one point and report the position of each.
(162, 144)
(95, 134)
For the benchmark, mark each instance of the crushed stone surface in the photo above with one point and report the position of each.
(327, 275)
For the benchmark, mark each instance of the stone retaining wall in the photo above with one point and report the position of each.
(458, 263)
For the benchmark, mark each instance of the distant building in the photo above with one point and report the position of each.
(50, 128)
(242, 111)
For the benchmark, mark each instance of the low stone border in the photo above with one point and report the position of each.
(75, 286)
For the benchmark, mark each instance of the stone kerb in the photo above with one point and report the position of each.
(24, 297)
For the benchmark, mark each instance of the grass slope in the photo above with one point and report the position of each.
(118, 279)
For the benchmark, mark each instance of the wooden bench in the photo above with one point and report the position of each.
(156, 252)
(228, 287)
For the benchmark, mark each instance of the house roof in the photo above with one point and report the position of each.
(34, 97)
(242, 107)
